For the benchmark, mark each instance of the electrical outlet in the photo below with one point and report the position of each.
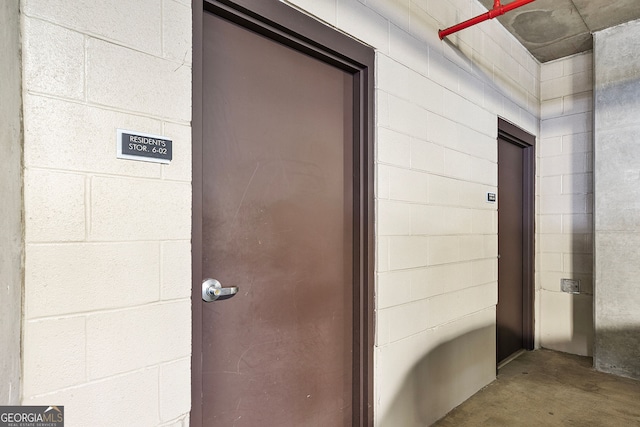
(571, 286)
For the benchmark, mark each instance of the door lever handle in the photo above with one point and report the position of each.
(212, 290)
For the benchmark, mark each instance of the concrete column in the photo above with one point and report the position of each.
(11, 240)
(617, 199)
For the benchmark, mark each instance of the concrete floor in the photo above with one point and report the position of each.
(547, 388)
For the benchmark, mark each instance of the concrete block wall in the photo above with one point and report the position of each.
(11, 228)
(565, 204)
(437, 105)
(107, 320)
(617, 199)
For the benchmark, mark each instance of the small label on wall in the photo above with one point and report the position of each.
(143, 147)
(571, 286)
(491, 197)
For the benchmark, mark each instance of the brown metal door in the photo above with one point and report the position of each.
(278, 222)
(509, 312)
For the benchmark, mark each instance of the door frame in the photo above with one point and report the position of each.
(514, 135)
(293, 28)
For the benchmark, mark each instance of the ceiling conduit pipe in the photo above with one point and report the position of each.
(497, 10)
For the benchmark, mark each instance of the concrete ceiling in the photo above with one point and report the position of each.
(552, 29)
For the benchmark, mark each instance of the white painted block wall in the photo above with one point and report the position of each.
(565, 199)
(437, 105)
(107, 316)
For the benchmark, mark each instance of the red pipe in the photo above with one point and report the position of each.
(497, 10)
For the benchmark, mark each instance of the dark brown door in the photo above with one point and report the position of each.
(510, 230)
(279, 222)
(514, 314)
